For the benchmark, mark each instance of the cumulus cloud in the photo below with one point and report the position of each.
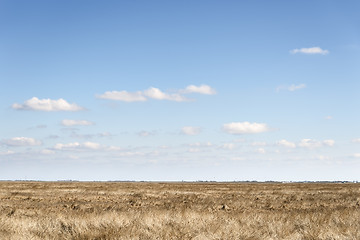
(188, 130)
(77, 146)
(123, 96)
(286, 143)
(311, 143)
(68, 123)
(66, 146)
(245, 128)
(141, 96)
(85, 146)
(21, 141)
(199, 144)
(291, 88)
(157, 94)
(47, 105)
(312, 50)
(202, 89)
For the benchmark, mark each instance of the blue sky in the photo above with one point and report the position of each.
(186, 90)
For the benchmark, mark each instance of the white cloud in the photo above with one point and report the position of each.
(199, 144)
(291, 88)
(77, 146)
(328, 117)
(92, 146)
(157, 94)
(311, 143)
(202, 89)
(356, 155)
(312, 50)
(123, 96)
(141, 96)
(66, 146)
(21, 141)
(356, 140)
(47, 105)
(245, 128)
(47, 152)
(68, 123)
(187, 130)
(286, 143)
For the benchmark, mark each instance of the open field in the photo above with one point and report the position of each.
(127, 210)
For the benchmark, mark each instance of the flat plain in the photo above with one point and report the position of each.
(183, 210)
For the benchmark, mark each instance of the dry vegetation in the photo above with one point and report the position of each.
(126, 210)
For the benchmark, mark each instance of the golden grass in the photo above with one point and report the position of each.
(126, 210)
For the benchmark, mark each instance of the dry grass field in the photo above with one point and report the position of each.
(127, 210)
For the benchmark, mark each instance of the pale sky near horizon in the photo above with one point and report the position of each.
(180, 90)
